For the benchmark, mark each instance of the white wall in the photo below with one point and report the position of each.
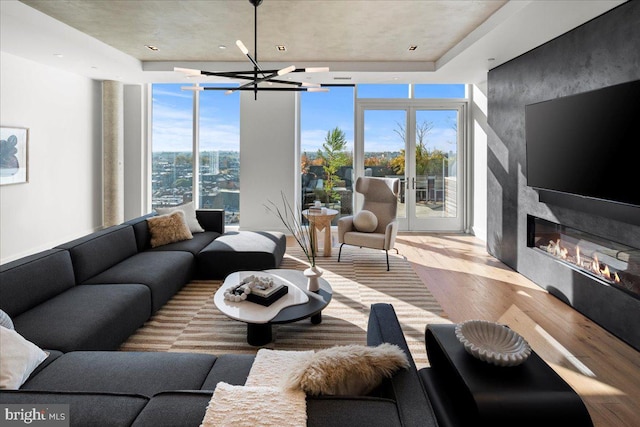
(62, 199)
(479, 130)
(267, 156)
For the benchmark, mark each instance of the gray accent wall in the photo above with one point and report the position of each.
(599, 53)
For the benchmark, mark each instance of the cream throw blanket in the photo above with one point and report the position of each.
(262, 401)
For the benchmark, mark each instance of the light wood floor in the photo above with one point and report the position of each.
(471, 284)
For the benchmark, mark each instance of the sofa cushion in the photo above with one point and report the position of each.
(87, 317)
(164, 272)
(29, 281)
(195, 245)
(241, 250)
(18, 358)
(101, 250)
(168, 228)
(145, 373)
(189, 212)
(85, 409)
(365, 221)
(231, 368)
(354, 411)
(175, 409)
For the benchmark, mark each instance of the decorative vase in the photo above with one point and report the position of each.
(313, 275)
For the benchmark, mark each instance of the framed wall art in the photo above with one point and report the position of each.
(14, 167)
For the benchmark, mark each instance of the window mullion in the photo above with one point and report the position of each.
(195, 157)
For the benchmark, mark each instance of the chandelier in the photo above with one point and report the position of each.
(258, 75)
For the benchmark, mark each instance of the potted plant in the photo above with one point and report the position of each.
(303, 236)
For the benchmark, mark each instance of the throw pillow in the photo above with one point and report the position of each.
(347, 370)
(18, 359)
(365, 221)
(5, 320)
(165, 229)
(189, 216)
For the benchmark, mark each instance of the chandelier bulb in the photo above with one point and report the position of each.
(242, 47)
(287, 70)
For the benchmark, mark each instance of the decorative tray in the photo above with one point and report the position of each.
(493, 343)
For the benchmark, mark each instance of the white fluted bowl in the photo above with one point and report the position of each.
(493, 343)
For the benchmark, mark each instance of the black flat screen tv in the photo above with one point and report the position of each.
(587, 144)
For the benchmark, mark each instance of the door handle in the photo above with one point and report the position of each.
(413, 183)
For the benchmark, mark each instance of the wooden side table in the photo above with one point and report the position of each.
(318, 221)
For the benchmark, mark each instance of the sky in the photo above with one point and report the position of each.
(320, 112)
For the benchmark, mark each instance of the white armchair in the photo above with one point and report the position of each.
(380, 198)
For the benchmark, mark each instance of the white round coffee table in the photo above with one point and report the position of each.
(296, 305)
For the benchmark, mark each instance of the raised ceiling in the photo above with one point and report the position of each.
(311, 30)
(368, 41)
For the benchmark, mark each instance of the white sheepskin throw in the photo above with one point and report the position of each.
(261, 401)
(347, 370)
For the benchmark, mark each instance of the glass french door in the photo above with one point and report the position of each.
(422, 144)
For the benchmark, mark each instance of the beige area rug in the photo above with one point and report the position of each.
(190, 322)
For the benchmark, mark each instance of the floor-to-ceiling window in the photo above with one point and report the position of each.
(172, 145)
(196, 131)
(326, 159)
(219, 152)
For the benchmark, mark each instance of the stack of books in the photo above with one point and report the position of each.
(267, 296)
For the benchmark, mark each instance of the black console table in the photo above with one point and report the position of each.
(465, 391)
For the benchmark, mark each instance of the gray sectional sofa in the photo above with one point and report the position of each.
(173, 389)
(81, 300)
(94, 292)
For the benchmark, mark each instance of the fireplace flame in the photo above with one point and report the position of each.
(593, 265)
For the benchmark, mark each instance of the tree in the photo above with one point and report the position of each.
(422, 130)
(304, 163)
(422, 153)
(333, 156)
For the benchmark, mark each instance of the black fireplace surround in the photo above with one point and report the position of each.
(598, 54)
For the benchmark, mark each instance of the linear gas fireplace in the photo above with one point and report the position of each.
(606, 261)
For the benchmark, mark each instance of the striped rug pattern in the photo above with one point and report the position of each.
(190, 322)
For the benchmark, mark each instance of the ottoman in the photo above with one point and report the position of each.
(241, 250)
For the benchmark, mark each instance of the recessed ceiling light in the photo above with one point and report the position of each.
(412, 47)
(281, 48)
(491, 59)
(222, 47)
(58, 55)
(342, 78)
(151, 47)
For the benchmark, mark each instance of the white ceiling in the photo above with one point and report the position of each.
(367, 41)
